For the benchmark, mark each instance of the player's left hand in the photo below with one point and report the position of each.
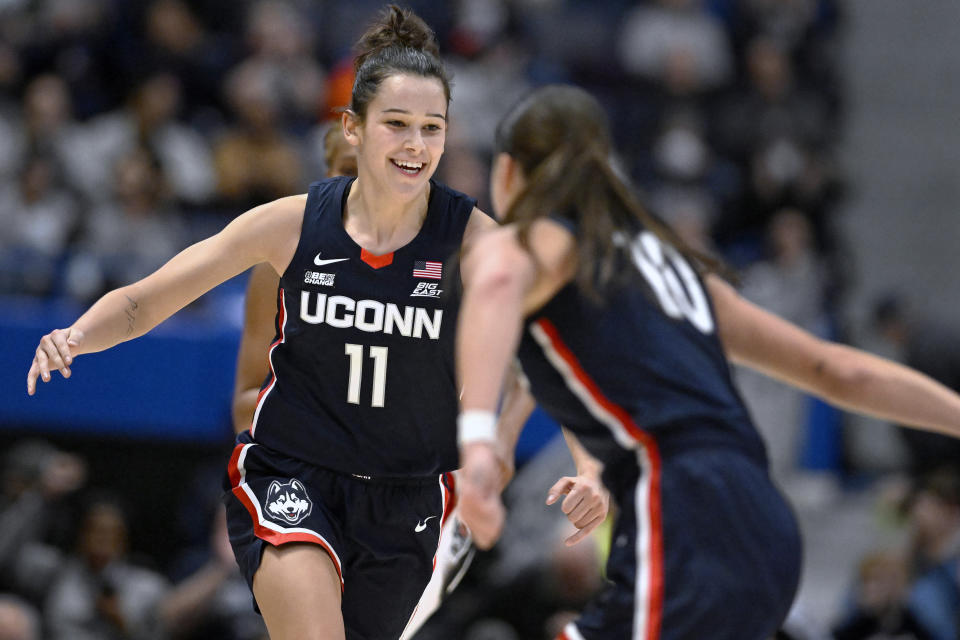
(479, 493)
(54, 353)
(586, 504)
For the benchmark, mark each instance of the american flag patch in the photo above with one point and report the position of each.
(427, 269)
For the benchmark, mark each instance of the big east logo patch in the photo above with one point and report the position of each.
(288, 501)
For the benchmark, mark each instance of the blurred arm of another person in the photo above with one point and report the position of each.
(253, 364)
(185, 606)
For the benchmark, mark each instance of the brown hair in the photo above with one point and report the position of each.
(399, 42)
(560, 137)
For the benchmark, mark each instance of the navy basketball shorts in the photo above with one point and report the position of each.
(704, 547)
(382, 536)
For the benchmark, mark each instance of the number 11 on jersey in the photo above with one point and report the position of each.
(379, 356)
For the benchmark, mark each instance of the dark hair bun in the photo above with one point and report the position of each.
(396, 27)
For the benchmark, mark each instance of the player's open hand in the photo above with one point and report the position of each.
(479, 493)
(54, 353)
(586, 504)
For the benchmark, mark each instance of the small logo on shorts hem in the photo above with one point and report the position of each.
(288, 502)
(422, 524)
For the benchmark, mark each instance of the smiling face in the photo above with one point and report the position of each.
(401, 139)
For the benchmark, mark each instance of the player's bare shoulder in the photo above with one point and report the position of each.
(478, 223)
(275, 227)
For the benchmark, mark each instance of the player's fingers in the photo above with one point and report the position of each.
(572, 501)
(583, 512)
(32, 377)
(560, 487)
(59, 339)
(43, 364)
(53, 352)
(590, 514)
(583, 532)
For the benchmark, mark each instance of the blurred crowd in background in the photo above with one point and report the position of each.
(132, 128)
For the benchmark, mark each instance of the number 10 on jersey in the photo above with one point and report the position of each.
(379, 357)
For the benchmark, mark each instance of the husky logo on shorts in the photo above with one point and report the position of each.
(288, 501)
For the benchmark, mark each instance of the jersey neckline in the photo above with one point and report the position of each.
(383, 260)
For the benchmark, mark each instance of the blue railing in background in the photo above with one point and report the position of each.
(174, 383)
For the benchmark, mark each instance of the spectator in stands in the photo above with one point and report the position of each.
(808, 29)
(77, 40)
(255, 160)
(18, 620)
(213, 600)
(780, 135)
(129, 236)
(37, 480)
(490, 71)
(279, 37)
(149, 120)
(43, 126)
(38, 217)
(880, 608)
(177, 43)
(99, 594)
(789, 281)
(659, 35)
(934, 513)
(683, 161)
(929, 346)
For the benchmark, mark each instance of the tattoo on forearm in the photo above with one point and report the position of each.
(131, 312)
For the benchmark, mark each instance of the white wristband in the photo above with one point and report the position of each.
(476, 425)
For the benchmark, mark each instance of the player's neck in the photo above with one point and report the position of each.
(380, 221)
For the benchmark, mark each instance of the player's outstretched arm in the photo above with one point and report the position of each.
(844, 376)
(259, 311)
(266, 233)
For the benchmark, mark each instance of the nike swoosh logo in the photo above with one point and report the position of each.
(317, 261)
(422, 524)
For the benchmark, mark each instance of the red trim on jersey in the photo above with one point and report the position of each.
(655, 612)
(282, 316)
(276, 538)
(376, 261)
(448, 482)
(233, 467)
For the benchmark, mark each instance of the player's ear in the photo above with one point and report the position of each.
(508, 172)
(350, 122)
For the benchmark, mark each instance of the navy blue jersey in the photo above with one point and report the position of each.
(362, 373)
(645, 363)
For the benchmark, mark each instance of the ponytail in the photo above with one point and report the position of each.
(560, 138)
(399, 42)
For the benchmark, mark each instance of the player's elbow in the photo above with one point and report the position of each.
(496, 283)
(843, 376)
(498, 278)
